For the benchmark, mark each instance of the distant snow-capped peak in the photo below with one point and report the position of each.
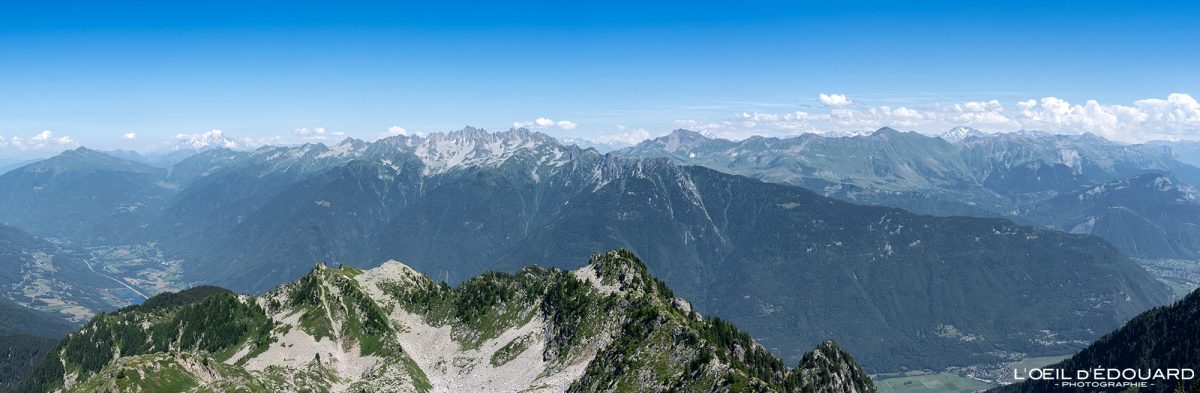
(960, 133)
(209, 140)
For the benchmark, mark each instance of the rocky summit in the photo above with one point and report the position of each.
(607, 326)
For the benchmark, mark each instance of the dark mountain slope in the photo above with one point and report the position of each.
(1003, 175)
(1153, 215)
(84, 195)
(201, 165)
(14, 163)
(220, 188)
(1186, 151)
(1165, 337)
(26, 335)
(19, 354)
(17, 319)
(790, 266)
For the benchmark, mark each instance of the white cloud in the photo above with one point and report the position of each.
(834, 99)
(624, 137)
(1057, 114)
(47, 137)
(545, 123)
(1178, 109)
(129, 136)
(397, 130)
(565, 124)
(43, 136)
(869, 118)
(42, 141)
(743, 125)
(318, 133)
(1176, 117)
(977, 114)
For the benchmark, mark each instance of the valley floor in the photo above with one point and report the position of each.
(1182, 275)
(960, 379)
(931, 383)
(123, 275)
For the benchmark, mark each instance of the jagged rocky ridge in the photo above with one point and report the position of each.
(608, 326)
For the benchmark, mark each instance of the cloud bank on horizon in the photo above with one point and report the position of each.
(41, 142)
(133, 76)
(1175, 117)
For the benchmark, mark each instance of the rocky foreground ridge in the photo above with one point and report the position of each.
(607, 326)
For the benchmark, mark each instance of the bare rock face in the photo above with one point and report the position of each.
(828, 368)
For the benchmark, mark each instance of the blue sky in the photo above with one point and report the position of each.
(135, 75)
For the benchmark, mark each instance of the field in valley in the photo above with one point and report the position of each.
(931, 383)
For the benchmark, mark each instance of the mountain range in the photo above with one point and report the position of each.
(607, 326)
(1153, 215)
(964, 172)
(82, 194)
(901, 291)
(1186, 151)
